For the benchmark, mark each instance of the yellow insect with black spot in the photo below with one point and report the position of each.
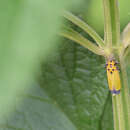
(113, 77)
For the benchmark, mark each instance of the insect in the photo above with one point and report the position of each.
(113, 77)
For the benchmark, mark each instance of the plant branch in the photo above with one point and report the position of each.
(121, 104)
(115, 113)
(125, 37)
(121, 111)
(85, 27)
(75, 36)
(115, 21)
(125, 94)
(107, 23)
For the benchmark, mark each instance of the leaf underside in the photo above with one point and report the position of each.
(73, 94)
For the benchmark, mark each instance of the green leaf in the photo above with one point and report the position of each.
(37, 112)
(73, 94)
(75, 36)
(85, 27)
(26, 35)
(75, 80)
(107, 114)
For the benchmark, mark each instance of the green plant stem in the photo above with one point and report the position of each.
(75, 36)
(107, 23)
(125, 94)
(115, 114)
(125, 36)
(121, 104)
(85, 27)
(121, 111)
(115, 21)
(118, 113)
(127, 55)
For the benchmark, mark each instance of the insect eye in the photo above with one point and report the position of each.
(112, 69)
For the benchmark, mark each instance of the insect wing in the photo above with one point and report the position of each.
(110, 80)
(117, 81)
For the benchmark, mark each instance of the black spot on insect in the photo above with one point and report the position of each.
(115, 63)
(111, 72)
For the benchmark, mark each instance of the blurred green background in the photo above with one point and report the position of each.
(47, 82)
